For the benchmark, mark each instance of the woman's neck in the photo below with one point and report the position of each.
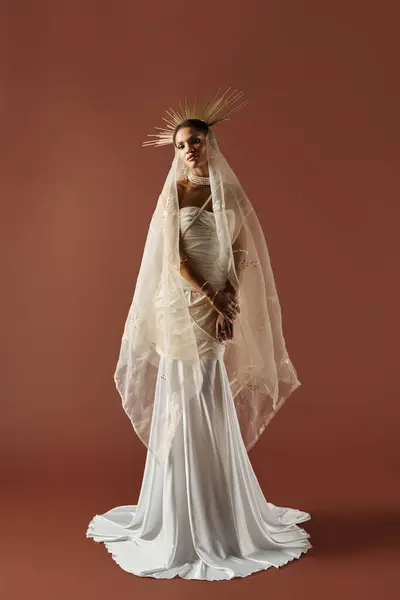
(201, 171)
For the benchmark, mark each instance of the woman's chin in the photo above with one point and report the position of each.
(196, 164)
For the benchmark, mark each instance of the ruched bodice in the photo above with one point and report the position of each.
(201, 245)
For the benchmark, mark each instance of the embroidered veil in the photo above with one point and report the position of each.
(158, 323)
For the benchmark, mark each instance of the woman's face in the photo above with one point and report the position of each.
(191, 144)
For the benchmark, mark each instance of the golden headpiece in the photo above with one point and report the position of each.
(212, 110)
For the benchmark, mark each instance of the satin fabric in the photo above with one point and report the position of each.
(201, 514)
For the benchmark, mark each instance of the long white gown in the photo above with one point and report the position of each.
(201, 514)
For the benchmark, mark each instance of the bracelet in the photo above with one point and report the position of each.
(215, 295)
(201, 289)
(184, 260)
(240, 250)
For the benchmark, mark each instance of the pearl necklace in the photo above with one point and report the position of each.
(199, 181)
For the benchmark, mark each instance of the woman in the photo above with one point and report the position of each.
(202, 369)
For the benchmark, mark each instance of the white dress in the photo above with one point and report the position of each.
(201, 514)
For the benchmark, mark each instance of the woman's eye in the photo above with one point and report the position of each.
(194, 141)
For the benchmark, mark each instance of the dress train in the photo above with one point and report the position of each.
(201, 514)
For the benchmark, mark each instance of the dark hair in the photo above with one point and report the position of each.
(195, 123)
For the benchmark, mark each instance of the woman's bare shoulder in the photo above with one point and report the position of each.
(182, 188)
(182, 183)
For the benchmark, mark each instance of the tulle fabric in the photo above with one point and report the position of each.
(159, 324)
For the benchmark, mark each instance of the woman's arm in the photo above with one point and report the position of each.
(192, 276)
(222, 301)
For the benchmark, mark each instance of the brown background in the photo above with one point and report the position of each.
(317, 152)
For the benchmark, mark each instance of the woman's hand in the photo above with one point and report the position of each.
(226, 305)
(223, 329)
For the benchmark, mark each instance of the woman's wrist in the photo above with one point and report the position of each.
(208, 290)
(229, 288)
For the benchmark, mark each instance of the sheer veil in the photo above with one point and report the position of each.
(159, 324)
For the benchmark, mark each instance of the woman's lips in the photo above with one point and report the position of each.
(192, 157)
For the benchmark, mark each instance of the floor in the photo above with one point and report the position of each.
(350, 488)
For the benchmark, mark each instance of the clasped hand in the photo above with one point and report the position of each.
(227, 308)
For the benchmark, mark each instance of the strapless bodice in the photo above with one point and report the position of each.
(200, 243)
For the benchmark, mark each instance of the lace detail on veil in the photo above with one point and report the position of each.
(169, 207)
(257, 362)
